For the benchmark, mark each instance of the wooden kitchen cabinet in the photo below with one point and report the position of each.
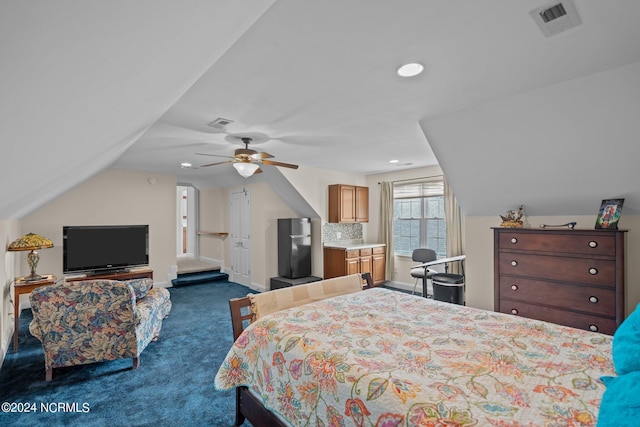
(343, 262)
(379, 265)
(351, 262)
(570, 277)
(348, 203)
(362, 204)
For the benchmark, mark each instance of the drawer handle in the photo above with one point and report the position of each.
(593, 271)
(593, 328)
(514, 287)
(514, 240)
(593, 244)
(514, 263)
(593, 299)
(514, 311)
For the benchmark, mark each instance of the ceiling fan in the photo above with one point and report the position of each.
(247, 161)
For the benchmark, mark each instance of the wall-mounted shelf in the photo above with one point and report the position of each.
(213, 233)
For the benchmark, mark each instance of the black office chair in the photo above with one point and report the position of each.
(423, 255)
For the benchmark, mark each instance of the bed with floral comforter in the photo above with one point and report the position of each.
(386, 358)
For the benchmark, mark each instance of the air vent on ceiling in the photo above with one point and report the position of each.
(219, 123)
(556, 17)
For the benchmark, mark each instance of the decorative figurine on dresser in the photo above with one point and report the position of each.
(573, 277)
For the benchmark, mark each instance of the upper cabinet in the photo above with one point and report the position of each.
(348, 203)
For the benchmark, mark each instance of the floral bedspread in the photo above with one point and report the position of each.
(386, 358)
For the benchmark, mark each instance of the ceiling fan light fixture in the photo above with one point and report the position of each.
(245, 169)
(410, 70)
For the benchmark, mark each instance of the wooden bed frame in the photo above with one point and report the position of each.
(248, 405)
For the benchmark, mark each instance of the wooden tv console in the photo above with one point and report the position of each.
(135, 273)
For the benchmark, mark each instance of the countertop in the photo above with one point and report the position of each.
(351, 245)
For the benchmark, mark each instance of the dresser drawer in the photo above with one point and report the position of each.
(567, 269)
(571, 297)
(583, 244)
(562, 317)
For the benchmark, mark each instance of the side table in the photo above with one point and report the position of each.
(20, 287)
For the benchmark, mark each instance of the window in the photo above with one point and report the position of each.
(418, 217)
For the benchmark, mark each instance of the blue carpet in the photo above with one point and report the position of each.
(172, 387)
(201, 277)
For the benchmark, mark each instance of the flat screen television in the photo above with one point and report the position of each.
(103, 248)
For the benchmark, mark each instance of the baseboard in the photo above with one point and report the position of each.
(5, 345)
(162, 285)
(259, 288)
(408, 287)
(210, 260)
(24, 302)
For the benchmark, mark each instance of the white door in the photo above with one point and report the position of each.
(241, 237)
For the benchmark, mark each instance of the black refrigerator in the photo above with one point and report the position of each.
(294, 247)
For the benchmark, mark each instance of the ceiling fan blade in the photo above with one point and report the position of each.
(261, 155)
(285, 165)
(219, 163)
(257, 171)
(214, 155)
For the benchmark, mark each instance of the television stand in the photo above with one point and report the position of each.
(134, 273)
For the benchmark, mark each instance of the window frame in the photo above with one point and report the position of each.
(423, 191)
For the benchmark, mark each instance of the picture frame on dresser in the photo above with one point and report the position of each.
(609, 214)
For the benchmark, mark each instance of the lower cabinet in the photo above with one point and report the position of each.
(342, 262)
(379, 265)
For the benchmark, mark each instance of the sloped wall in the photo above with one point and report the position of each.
(112, 197)
(559, 150)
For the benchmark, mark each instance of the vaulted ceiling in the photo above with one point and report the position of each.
(512, 116)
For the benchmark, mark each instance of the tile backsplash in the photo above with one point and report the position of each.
(332, 232)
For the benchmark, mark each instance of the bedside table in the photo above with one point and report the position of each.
(20, 287)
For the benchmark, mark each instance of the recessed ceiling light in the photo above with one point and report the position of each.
(410, 70)
(185, 165)
(394, 161)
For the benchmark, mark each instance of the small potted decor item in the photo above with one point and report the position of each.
(610, 210)
(513, 219)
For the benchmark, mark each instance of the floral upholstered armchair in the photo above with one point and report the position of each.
(96, 320)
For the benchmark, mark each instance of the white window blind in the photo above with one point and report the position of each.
(418, 216)
(429, 187)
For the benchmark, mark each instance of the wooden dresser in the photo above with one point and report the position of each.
(570, 277)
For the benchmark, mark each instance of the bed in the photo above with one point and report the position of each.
(385, 358)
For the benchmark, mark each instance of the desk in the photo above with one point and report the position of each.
(460, 258)
(20, 287)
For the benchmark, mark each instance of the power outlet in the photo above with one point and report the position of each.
(338, 235)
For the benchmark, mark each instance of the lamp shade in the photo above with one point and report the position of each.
(30, 242)
(245, 169)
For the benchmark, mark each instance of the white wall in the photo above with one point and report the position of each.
(558, 150)
(213, 217)
(9, 267)
(266, 208)
(109, 198)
